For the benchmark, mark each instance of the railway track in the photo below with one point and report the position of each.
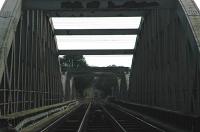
(129, 122)
(99, 118)
(69, 122)
(98, 121)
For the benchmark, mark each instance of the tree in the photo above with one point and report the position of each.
(72, 62)
(83, 83)
(105, 84)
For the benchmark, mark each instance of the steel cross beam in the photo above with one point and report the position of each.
(89, 4)
(92, 8)
(99, 69)
(97, 12)
(96, 31)
(97, 52)
(84, 74)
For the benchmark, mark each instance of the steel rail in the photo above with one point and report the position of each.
(59, 119)
(84, 120)
(114, 120)
(122, 110)
(143, 121)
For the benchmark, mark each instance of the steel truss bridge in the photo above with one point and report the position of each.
(165, 72)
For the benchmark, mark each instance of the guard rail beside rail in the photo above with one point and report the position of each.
(36, 118)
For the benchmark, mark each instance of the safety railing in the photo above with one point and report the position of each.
(34, 119)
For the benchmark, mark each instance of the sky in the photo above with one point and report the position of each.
(197, 2)
(1, 3)
(96, 41)
(81, 42)
(99, 42)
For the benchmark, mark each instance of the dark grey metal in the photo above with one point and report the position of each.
(32, 74)
(95, 8)
(96, 52)
(118, 125)
(166, 59)
(89, 4)
(85, 119)
(166, 66)
(98, 13)
(96, 31)
(100, 69)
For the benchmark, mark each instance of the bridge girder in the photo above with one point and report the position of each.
(97, 52)
(28, 54)
(88, 4)
(96, 8)
(96, 31)
(98, 13)
(166, 58)
(166, 67)
(101, 69)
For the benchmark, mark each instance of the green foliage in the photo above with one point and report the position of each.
(105, 84)
(82, 83)
(72, 62)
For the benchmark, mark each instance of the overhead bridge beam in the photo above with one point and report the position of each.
(100, 69)
(97, 8)
(96, 31)
(96, 52)
(97, 13)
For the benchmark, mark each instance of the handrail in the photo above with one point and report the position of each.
(81, 127)
(43, 115)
